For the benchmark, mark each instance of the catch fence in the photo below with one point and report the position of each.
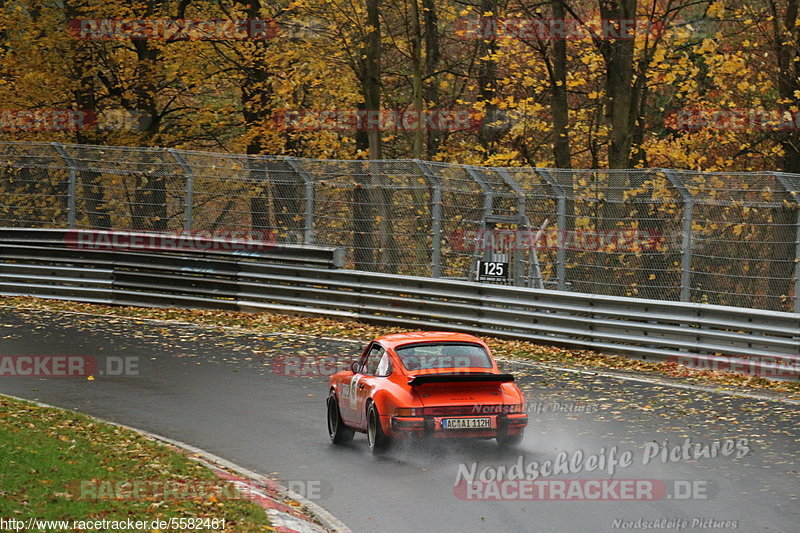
(709, 237)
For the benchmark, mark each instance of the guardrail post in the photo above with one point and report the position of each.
(686, 232)
(188, 198)
(436, 218)
(308, 232)
(72, 185)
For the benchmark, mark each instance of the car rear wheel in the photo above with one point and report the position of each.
(337, 431)
(377, 439)
(508, 441)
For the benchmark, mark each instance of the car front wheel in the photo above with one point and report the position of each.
(337, 431)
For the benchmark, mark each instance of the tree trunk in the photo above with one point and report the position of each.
(86, 100)
(418, 135)
(256, 90)
(558, 87)
(368, 197)
(149, 211)
(786, 39)
(371, 79)
(487, 82)
(619, 98)
(363, 210)
(430, 85)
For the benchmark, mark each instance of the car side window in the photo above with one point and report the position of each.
(384, 365)
(362, 361)
(374, 357)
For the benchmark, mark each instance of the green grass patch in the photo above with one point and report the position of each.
(58, 465)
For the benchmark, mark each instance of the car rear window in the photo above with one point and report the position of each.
(425, 356)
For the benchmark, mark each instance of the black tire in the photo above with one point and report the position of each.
(337, 431)
(509, 441)
(377, 440)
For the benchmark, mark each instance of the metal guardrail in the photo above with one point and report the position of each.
(168, 243)
(766, 341)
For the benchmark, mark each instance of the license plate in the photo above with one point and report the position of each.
(466, 423)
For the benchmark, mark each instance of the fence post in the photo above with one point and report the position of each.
(72, 184)
(686, 251)
(561, 253)
(797, 267)
(188, 198)
(488, 209)
(794, 192)
(523, 216)
(561, 223)
(436, 218)
(308, 232)
(686, 233)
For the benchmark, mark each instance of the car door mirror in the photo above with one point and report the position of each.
(354, 367)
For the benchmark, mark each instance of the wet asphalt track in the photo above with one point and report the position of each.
(224, 392)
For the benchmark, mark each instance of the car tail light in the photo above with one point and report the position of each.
(407, 411)
(408, 423)
(517, 420)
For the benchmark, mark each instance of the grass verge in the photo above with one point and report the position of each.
(61, 465)
(273, 323)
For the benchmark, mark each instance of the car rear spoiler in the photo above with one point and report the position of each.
(459, 378)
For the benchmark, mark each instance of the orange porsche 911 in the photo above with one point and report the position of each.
(425, 384)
